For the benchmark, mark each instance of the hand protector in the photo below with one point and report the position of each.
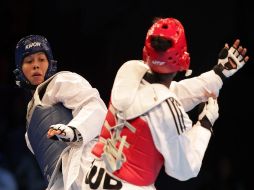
(230, 60)
(64, 133)
(210, 113)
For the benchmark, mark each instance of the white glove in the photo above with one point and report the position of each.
(231, 60)
(64, 133)
(210, 112)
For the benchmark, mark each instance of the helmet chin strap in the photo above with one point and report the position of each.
(26, 85)
(22, 82)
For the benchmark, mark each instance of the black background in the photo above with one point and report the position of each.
(95, 38)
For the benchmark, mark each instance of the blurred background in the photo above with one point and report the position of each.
(94, 38)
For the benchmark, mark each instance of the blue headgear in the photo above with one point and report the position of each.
(29, 45)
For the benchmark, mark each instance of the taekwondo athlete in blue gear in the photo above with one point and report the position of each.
(64, 116)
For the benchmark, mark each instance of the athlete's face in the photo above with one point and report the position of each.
(34, 67)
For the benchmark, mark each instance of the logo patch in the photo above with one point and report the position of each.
(156, 62)
(34, 44)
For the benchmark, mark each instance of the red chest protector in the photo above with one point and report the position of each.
(141, 160)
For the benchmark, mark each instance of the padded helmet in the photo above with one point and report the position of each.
(29, 45)
(175, 58)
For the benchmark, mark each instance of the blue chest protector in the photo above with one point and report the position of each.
(47, 151)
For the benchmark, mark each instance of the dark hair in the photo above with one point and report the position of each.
(160, 44)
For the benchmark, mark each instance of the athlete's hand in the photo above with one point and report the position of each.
(210, 110)
(64, 133)
(209, 114)
(231, 59)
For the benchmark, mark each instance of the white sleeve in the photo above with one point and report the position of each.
(182, 145)
(191, 92)
(77, 94)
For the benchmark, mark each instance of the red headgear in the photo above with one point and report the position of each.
(175, 58)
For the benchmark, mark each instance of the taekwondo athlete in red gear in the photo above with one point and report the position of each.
(64, 116)
(147, 126)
